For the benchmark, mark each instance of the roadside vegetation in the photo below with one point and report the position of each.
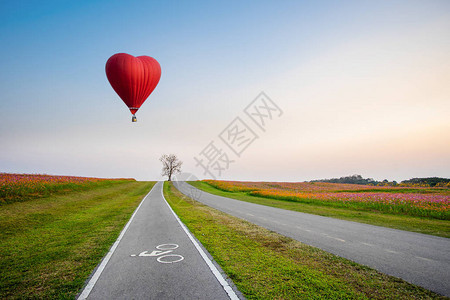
(423, 210)
(266, 265)
(51, 242)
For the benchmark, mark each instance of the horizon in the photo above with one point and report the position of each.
(351, 88)
(175, 176)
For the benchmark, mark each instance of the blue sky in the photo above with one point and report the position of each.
(363, 86)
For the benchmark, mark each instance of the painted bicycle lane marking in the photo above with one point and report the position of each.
(163, 254)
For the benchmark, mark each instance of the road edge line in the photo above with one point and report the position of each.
(210, 264)
(90, 285)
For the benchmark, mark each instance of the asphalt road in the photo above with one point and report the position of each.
(417, 258)
(155, 258)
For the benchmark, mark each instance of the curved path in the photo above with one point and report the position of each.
(417, 258)
(155, 257)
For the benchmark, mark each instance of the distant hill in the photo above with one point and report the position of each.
(431, 181)
(353, 179)
(358, 179)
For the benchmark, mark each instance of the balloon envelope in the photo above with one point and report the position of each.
(133, 78)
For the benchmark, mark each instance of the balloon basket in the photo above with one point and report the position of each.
(133, 118)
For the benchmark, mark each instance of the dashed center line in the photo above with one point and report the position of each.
(332, 237)
(424, 258)
(276, 222)
(250, 215)
(367, 244)
(390, 251)
(338, 239)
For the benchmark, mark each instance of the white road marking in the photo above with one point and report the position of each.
(276, 222)
(163, 253)
(390, 251)
(338, 239)
(324, 234)
(332, 237)
(250, 215)
(367, 244)
(303, 229)
(213, 268)
(164, 261)
(154, 253)
(87, 290)
(427, 259)
(167, 247)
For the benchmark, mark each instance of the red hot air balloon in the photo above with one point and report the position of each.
(133, 78)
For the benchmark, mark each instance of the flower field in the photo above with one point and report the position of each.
(421, 202)
(21, 187)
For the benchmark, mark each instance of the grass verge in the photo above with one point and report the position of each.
(266, 265)
(402, 222)
(49, 246)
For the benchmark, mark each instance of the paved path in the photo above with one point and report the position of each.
(417, 258)
(155, 258)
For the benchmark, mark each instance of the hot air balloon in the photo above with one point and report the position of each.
(133, 78)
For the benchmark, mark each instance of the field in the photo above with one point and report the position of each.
(420, 202)
(54, 230)
(266, 265)
(23, 187)
(424, 210)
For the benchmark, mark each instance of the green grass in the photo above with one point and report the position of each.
(25, 187)
(402, 222)
(49, 246)
(266, 265)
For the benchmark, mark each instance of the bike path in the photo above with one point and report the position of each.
(155, 258)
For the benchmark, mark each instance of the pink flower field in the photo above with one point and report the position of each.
(423, 202)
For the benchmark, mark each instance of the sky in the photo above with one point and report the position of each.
(350, 87)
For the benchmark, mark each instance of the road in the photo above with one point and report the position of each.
(155, 258)
(420, 259)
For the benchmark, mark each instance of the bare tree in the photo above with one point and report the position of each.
(171, 165)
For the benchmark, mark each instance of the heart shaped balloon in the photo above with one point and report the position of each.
(133, 78)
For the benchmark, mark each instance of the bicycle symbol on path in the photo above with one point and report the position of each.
(162, 254)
